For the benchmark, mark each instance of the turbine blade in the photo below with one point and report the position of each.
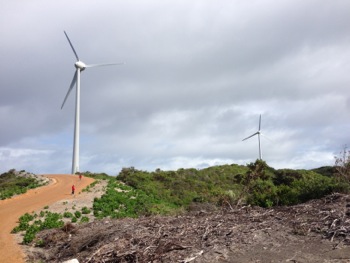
(70, 43)
(250, 136)
(260, 123)
(70, 88)
(102, 65)
(266, 137)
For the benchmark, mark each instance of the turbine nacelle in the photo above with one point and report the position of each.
(80, 65)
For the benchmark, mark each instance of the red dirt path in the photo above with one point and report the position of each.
(12, 209)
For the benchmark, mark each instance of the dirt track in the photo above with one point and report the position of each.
(12, 209)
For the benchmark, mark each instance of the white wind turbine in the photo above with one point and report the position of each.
(257, 133)
(80, 66)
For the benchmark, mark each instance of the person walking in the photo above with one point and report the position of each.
(80, 176)
(73, 189)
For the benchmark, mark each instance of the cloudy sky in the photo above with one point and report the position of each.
(196, 77)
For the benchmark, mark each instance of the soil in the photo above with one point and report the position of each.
(11, 209)
(317, 231)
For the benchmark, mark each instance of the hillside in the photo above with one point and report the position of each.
(18, 182)
(227, 213)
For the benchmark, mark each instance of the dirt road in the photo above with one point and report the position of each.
(12, 209)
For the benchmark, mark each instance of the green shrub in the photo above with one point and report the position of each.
(124, 201)
(178, 189)
(313, 186)
(263, 193)
(52, 220)
(11, 184)
(84, 219)
(77, 214)
(67, 215)
(33, 228)
(23, 223)
(30, 234)
(288, 187)
(85, 210)
(88, 188)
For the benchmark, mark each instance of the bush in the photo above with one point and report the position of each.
(85, 210)
(126, 202)
(84, 219)
(11, 184)
(178, 189)
(263, 193)
(30, 234)
(52, 220)
(23, 223)
(77, 214)
(313, 186)
(67, 215)
(286, 186)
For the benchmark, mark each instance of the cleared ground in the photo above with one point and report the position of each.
(313, 232)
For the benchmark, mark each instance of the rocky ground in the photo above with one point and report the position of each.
(317, 231)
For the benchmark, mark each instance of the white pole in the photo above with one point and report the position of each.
(75, 162)
(260, 155)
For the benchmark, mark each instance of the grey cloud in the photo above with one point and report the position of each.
(196, 78)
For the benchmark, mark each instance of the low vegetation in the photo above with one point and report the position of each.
(135, 193)
(254, 184)
(124, 201)
(14, 183)
(31, 224)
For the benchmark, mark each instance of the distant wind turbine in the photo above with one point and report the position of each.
(257, 133)
(80, 66)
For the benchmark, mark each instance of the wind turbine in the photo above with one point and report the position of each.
(80, 66)
(257, 133)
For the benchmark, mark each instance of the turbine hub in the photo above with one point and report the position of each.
(79, 64)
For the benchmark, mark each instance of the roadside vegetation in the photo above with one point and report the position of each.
(14, 183)
(31, 223)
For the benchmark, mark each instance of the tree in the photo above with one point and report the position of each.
(342, 164)
(256, 170)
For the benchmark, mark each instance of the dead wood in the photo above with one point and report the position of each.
(208, 236)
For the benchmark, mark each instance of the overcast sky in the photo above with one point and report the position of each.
(197, 75)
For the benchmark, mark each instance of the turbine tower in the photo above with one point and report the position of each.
(257, 133)
(80, 66)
